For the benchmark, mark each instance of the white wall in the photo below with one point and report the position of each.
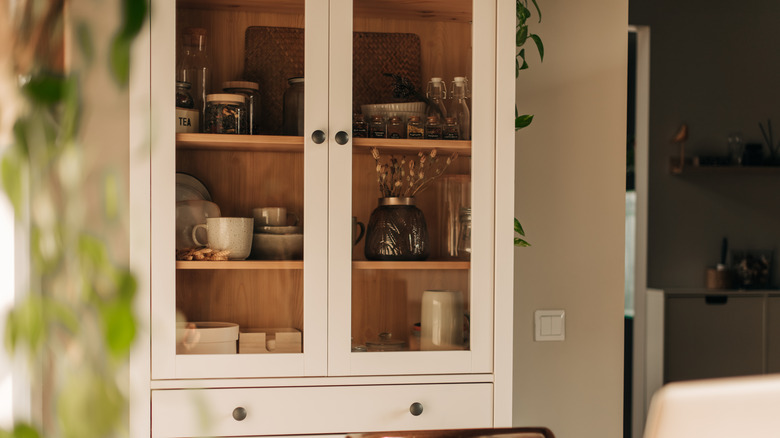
(570, 195)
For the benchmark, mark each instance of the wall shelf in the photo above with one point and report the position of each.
(241, 264)
(727, 170)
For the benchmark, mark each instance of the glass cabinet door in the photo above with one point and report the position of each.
(245, 295)
(411, 210)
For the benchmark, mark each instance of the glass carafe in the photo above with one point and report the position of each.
(460, 106)
(193, 67)
(436, 93)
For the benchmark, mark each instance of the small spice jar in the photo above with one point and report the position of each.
(414, 128)
(464, 236)
(251, 93)
(183, 95)
(377, 127)
(225, 114)
(395, 128)
(450, 130)
(359, 126)
(432, 128)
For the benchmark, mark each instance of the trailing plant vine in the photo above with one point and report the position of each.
(76, 323)
(522, 35)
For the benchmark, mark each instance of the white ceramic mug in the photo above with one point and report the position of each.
(274, 216)
(227, 233)
(441, 327)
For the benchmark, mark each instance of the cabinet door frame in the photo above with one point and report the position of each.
(165, 363)
(479, 359)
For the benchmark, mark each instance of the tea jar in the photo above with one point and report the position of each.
(183, 95)
(226, 114)
(395, 128)
(414, 128)
(377, 128)
(432, 128)
(450, 130)
(251, 92)
(359, 126)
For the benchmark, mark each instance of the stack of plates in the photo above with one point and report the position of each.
(189, 188)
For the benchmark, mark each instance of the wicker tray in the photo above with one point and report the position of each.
(274, 54)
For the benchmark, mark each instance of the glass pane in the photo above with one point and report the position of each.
(411, 176)
(239, 163)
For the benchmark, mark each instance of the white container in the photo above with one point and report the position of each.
(187, 120)
(206, 338)
(441, 327)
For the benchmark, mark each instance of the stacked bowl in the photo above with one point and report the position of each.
(277, 235)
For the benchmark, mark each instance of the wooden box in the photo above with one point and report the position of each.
(269, 340)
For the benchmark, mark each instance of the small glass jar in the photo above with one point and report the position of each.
(225, 114)
(395, 128)
(292, 111)
(251, 92)
(183, 95)
(359, 126)
(377, 127)
(464, 236)
(415, 129)
(432, 128)
(450, 130)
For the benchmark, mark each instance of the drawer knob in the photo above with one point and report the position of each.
(416, 408)
(342, 137)
(239, 413)
(318, 136)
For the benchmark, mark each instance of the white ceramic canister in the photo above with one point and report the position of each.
(187, 120)
(442, 320)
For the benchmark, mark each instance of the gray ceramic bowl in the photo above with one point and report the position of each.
(277, 246)
(284, 229)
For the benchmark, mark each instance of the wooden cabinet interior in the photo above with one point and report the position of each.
(244, 172)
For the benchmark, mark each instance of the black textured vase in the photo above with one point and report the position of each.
(397, 232)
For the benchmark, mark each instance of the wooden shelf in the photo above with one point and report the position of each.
(728, 170)
(412, 147)
(298, 264)
(241, 264)
(279, 143)
(230, 142)
(426, 265)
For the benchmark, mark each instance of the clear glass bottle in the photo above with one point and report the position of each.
(359, 126)
(395, 128)
(193, 67)
(464, 236)
(432, 128)
(436, 94)
(292, 112)
(377, 129)
(251, 91)
(450, 130)
(460, 106)
(415, 128)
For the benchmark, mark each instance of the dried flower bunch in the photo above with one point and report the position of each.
(399, 177)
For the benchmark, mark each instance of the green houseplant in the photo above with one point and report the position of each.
(75, 324)
(522, 35)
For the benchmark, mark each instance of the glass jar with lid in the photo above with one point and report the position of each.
(251, 92)
(293, 105)
(464, 237)
(226, 114)
(395, 127)
(183, 95)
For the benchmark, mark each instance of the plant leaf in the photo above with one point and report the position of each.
(521, 242)
(120, 59)
(521, 35)
(539, 45)
(538, 11)
(45, 88)
(523, 121)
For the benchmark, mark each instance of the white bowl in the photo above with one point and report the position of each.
(283, 229)
(402, 110)
(277, 246)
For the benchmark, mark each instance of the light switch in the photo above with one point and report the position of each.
(549, 325)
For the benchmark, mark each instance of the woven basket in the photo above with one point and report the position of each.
(275, 54)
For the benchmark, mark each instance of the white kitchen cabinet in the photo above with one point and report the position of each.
(340, 301)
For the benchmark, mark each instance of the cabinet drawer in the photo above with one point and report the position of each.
(328, 409)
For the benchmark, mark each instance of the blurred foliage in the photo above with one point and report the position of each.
(76, 324)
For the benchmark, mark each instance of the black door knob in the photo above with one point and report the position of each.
(416, 408)
(318, 136)
(342, 137)
(239, 413)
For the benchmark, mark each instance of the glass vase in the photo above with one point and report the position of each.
(397, 232)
